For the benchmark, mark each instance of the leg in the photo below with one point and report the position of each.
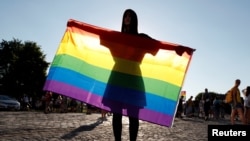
(233, 112)
(103, 114)
(117, 126)
(248, 116)
(241, 115)
(245, 113)
(206, 111)
(133, 128)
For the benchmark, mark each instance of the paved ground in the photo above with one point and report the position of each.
(37, 126)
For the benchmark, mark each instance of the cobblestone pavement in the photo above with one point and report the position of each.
(37, 126)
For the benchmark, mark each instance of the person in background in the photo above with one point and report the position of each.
(216, 107)
(189, 107)
(196, 108)
(247, 104)
(64, 104)
(180, 107)
(58, 103)
(201, 108)
(222, 108)
(236, 105)
(207, 103)
(48, 98)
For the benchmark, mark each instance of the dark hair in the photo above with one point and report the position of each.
(247, 90)
(134, 22)
(237, 81)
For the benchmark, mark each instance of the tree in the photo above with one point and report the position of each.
(22, 68)
(213, 95)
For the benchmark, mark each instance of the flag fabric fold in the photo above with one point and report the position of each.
(121, 73)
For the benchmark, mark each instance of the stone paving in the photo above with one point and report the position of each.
(37, 126)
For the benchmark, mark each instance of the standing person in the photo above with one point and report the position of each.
(129, 26)
(58, 103)
(216, 107)
(236, 105)
(207, 103)
(48, 98)
(247, 104)
(64, 105)
(189, 107)
(201, 108)
(222, 108)
(180, 107)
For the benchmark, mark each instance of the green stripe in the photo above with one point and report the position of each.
(151, 85)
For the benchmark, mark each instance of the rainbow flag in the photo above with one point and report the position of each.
(118, 72)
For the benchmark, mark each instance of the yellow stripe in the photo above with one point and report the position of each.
(165, 65)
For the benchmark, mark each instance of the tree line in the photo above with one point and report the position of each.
(23, 68)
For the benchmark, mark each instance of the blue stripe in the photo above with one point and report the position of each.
(121, 94)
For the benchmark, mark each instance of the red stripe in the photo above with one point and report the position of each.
(118, 38)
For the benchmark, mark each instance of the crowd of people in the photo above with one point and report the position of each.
(56, 103)
(215, 107)
(203, 108)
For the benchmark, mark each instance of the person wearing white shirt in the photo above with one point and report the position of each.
(247, 104)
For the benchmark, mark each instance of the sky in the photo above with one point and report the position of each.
(219, 30)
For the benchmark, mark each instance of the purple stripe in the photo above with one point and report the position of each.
(144, 114)
(89, 97)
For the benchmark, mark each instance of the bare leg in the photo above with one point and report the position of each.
(241, 115)
(233, 112)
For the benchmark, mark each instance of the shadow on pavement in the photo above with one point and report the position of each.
(83, 128)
